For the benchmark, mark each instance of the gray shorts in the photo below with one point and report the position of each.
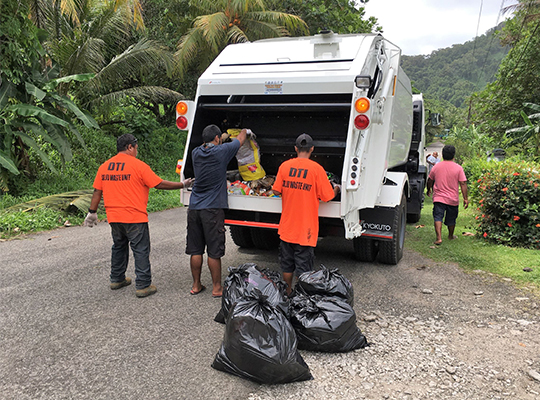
(296, 258)
(206, 229)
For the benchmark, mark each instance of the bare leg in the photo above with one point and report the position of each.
(451, 232)
(214, 264)
(288, 278)
(438, 232)
(196, 266)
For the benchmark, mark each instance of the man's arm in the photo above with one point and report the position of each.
(168, 185)
(430, 183)
(463, 186)
(96, 198)
(242, 136)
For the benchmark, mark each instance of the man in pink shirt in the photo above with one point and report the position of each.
(444, 180)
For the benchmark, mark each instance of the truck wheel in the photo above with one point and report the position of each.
(412, 218)
(365, 249)
(390, 252)
(241, 236)
(265, 239)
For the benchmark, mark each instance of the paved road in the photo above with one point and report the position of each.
(66, 335)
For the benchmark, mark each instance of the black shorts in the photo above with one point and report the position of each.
(449, 213)
(206, 228)
(296, 258)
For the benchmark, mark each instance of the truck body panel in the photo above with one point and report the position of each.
(280, 88)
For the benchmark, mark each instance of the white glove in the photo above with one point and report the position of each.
(188, 182)
(90, 220)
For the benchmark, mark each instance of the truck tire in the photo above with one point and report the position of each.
(365, 249)
(412, 218)
(390, 252)
(265, 239)
(241, 236)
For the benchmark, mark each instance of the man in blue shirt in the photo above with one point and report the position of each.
(206, 215)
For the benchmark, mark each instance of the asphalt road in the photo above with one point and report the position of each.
(66, 335)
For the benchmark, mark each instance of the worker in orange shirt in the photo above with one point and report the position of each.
(302, 183)
(124, 182)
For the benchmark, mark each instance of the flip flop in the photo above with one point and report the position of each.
(216, 296)
(192, 292)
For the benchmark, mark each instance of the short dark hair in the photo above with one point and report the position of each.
(448, 152)
(210, 132)
(124, 141)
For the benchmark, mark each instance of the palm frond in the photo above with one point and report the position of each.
(150, 94)
(236, 35)
(214, 30)
(70, 8)
(142, 56)
(69, 201)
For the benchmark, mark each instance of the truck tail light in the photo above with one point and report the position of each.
(361, 122)
(362, 105)
(181, 111)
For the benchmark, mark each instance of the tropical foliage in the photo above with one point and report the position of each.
(223, 22)
(509, 204)
(498, 107)
(340, 16)
(32, 109)
(528, 136)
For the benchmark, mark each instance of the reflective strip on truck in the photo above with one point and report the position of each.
(251, 224)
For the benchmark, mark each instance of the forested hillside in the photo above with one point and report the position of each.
(452, 74)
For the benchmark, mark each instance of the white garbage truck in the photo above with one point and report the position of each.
(349, 93)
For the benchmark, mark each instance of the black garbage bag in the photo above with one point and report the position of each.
(242, 280)
(260, 344)
(325, 323)
(326, 282)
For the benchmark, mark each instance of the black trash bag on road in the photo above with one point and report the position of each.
(327, 283)
(260, 344)
(242, 280)
(325, 323)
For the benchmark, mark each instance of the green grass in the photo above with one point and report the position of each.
(472, 252)
(14, 224)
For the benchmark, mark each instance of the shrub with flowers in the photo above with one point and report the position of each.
(508, 198)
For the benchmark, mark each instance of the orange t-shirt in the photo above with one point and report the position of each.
(125, 181)
(302, 183)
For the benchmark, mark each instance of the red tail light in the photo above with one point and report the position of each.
(361, 122)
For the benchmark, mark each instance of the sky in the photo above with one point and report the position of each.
(422, 26)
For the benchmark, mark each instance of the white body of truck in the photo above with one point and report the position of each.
(280, 88)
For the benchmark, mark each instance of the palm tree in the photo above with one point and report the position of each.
(527, 5)
(222, 22)
(529, 134)
(95, 36)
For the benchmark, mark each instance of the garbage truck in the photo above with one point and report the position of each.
(349, 93)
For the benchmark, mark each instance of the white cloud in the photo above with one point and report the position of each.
(422, 26)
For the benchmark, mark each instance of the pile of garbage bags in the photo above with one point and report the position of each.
(265, 327)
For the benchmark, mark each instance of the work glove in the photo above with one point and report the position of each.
(188, 182)
(90, 220)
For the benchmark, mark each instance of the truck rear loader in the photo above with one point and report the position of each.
(349, 93)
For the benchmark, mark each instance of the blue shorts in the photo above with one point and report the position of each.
(439, 211)
(296, 258)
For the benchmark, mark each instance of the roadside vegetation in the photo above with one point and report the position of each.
(470, 251)
(75, 75)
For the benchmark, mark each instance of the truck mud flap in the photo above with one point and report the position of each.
(377, 223)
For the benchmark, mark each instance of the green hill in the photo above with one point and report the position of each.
(454, 73)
